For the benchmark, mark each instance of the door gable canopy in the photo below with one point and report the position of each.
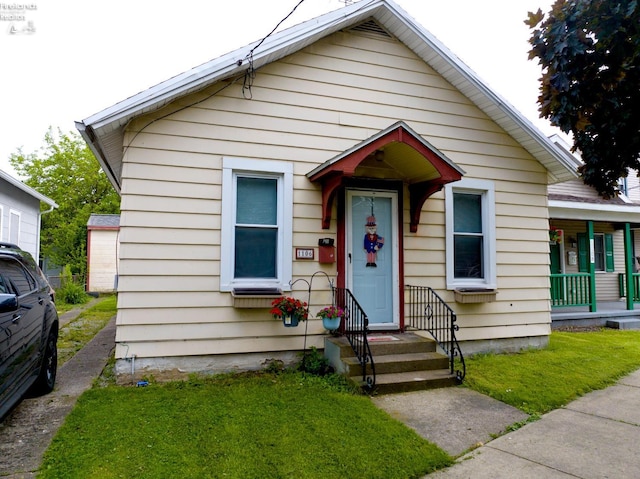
(397, 152)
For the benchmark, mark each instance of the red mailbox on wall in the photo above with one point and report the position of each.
(326, 251)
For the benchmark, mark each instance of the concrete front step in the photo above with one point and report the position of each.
(414, 381)
(399, 363)
(403, 362)
(624, 323)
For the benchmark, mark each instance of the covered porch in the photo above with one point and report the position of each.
(594, 268)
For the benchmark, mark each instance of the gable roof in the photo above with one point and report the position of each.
(27, 189)
(104, 131)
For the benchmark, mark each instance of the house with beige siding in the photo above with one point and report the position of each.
(246, 176)
(594, 246)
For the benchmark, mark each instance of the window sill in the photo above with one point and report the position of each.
(475, 295)
(246, 298)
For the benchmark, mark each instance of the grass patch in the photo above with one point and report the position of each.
(538, 381)
(249, 426)
(75, 334)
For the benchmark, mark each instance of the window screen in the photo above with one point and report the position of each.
(468, 236)
(256, 228)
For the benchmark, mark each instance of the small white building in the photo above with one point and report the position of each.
(102, 253)
(20, 214)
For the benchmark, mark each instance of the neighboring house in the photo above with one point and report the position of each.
(20, 214)
(231, 174)
(102, 252)
(593, 245)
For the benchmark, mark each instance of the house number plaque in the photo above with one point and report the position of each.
(304, 253)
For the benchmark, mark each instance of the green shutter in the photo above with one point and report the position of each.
(608, 252)
(583, 253)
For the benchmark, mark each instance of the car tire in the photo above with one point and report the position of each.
(49, 367)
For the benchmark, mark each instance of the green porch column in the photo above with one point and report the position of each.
(628, 266)
(591, 267)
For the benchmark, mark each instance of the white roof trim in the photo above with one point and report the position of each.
(572, 210)
(27, 189)
(103, 131)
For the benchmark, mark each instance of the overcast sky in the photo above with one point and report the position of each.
(64, 60)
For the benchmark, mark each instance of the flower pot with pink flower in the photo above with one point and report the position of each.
(331, 317)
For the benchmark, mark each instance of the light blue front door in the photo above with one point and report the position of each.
(372, 255)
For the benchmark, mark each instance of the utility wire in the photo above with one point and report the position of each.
(250, 54)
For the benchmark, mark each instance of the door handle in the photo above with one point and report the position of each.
(16, 318)
(349, 258)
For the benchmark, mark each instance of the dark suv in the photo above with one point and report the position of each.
(28, 328)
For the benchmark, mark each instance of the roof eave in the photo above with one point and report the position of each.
(27, 189)
(573, 210)
(284, 43)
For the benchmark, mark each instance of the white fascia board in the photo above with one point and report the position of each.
(570, 210)
(465, 79)
(27, 189)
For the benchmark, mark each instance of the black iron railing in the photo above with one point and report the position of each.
(355, 326)
(426, 311)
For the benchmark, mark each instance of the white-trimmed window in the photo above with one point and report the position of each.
(470, 234)
(257, 210)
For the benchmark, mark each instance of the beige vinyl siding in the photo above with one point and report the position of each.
(575, 188)
(306, 109)
(103, 260)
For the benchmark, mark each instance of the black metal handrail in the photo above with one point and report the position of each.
(426, 311)
(355, 327)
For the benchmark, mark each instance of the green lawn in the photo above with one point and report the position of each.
(293, 426)
(541, 380)
(251, 426)
(75, 334)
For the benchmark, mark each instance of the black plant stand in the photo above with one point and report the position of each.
(309, 284)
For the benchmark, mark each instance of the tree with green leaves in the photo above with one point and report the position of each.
(590, 86)
(65, 170)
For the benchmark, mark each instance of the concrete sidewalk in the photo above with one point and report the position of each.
(596, 436)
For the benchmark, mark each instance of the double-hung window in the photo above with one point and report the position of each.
(470, 232)
(256, 224)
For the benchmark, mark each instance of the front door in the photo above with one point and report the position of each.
(372, 255)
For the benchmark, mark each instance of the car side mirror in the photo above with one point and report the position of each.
(8, 303)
